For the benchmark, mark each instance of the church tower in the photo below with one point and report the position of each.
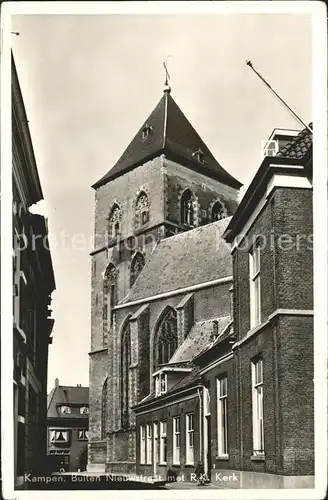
(166, 182)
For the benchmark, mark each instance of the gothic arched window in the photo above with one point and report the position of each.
(218, 211)
(114, 221)
(166, 338)
(142, 210)
(104, 409)
(137, 264)
(187, 209)
(109, 299)
(125, 378)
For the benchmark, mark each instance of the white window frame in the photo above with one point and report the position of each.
(149, 447)
(65, 410)
(257, 407)
(142, 444)
(267, 146)
(156, 443)
(222, 416)
(176, 440)
(54, 433)
(83, 435)
(160, 384)
(255, 285)
(190, 431)
(163, 441)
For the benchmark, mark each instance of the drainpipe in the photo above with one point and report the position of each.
(200, 422)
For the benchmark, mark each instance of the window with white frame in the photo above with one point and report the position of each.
(142, 444)
(163, 443)
(156, 443)
(176, 440)
(190, 438)
(82, 435)
(149, 443)
(160, 384)
(257, 407)
(270, 148)
(59, 436)
(222, 402)
(255, 285)
(64, 410)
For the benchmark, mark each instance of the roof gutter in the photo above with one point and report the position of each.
(178, 291)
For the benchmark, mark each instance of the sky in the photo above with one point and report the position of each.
(89, 83)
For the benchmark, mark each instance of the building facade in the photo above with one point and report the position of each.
(249, 396)
(166, 191)
(67, 428)
(201, 311)
(33, 284)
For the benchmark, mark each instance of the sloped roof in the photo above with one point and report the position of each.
(66, 395)
(298, 146)
(198, 338)
(183, 260)
(197, 341)
(172, 135)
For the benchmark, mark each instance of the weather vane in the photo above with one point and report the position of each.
(167, 87)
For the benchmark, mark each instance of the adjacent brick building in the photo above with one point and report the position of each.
(67, 428)
(33, 284)
(200, 314)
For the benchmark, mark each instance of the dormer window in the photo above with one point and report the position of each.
(160, 383)
(199, 155)
(84, 410)
(65, 410)
(146, 131)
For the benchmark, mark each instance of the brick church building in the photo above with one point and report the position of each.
(198, 325)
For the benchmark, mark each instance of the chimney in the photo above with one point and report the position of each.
(231, 293)
(56, 382)
(215, 330)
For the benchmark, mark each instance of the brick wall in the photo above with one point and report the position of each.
(286, 266)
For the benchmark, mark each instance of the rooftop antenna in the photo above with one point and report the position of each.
(167, 87)
(280, 98)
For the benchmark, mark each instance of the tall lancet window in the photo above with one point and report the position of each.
(142, 210)
(166, 338)
(137, 264)
(114, 221)
(104, 409)
(109, 300)
(218, 211)
(187, 209)
(125, 374)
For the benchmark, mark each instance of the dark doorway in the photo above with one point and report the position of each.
(83, 460)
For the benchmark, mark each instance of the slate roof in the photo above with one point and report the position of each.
(298, 146)
(172, 135)
(66, 395)
(198, 338)
(183, 260)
